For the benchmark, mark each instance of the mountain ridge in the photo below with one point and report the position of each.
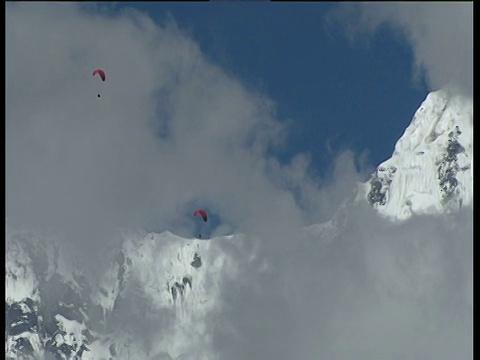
(53, 311)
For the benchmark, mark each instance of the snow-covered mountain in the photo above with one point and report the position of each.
(54, 312)
(49, 304)
(431, 169)
(51, 310)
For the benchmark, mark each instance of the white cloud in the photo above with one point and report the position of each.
(378, 291)
(441, 36)
(169, 129)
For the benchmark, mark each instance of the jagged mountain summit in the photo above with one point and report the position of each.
(431, 169)
(172, 283)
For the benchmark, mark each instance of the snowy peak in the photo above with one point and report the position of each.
(157, 292)
(431, 169)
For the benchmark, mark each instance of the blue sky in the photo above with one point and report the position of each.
(334, 93)
(224, 83)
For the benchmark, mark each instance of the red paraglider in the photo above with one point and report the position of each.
(101, 73)
(202, 212)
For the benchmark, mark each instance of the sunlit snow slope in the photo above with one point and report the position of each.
(431, 169)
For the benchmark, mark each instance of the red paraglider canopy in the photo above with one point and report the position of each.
(202, 212)
(101, 73)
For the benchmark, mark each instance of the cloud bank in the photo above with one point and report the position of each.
(440, 34)
(170, 132)
(376, 291)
